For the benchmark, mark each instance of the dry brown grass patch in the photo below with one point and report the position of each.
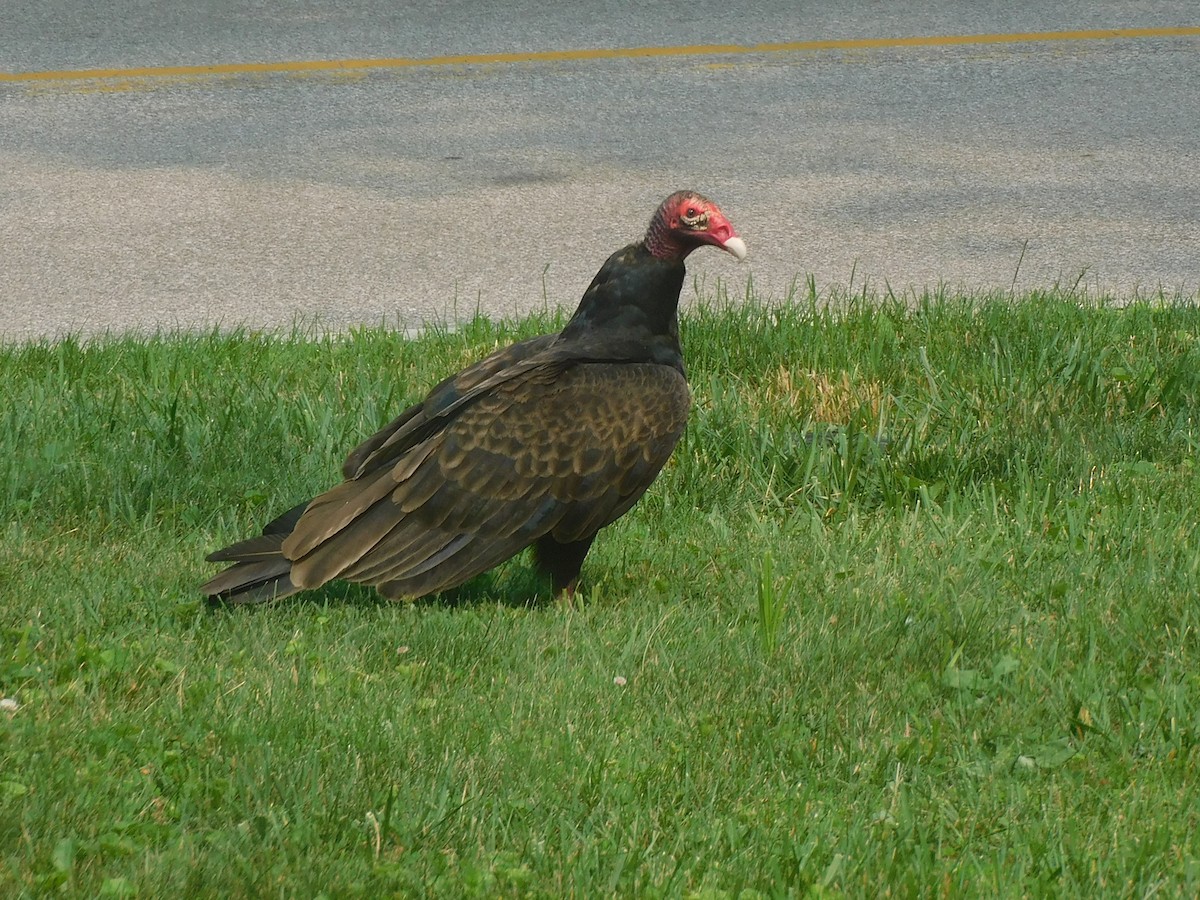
(827, 397)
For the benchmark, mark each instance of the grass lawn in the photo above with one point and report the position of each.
(915, 609)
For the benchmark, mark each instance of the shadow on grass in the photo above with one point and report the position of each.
(517, 587)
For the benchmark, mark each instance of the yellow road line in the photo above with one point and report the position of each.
(475, 59)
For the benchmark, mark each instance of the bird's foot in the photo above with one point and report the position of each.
(566, 595)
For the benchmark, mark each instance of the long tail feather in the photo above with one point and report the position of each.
(260, 572)
(253, 581)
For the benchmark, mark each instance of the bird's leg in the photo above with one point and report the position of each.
(562, 562)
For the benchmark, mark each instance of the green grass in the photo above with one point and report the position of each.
(913, 610)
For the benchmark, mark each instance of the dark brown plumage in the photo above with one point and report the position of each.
(540, 444)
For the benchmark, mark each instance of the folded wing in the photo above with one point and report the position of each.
(542, 452)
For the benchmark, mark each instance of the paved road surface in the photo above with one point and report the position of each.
(403, 193)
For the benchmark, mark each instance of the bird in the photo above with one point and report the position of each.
(542, 443)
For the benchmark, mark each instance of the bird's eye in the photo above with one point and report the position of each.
(694, 217)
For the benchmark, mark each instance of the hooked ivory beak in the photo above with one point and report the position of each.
(736, 246)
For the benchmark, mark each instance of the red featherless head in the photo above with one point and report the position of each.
(686, 220)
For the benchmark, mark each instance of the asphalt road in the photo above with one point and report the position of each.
(366, 193)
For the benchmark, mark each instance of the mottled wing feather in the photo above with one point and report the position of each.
(417, 422)
(545, 452)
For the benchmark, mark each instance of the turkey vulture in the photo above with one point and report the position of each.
(542, 443)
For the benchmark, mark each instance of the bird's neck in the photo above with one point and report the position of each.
(632, 304)
(661, 242)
